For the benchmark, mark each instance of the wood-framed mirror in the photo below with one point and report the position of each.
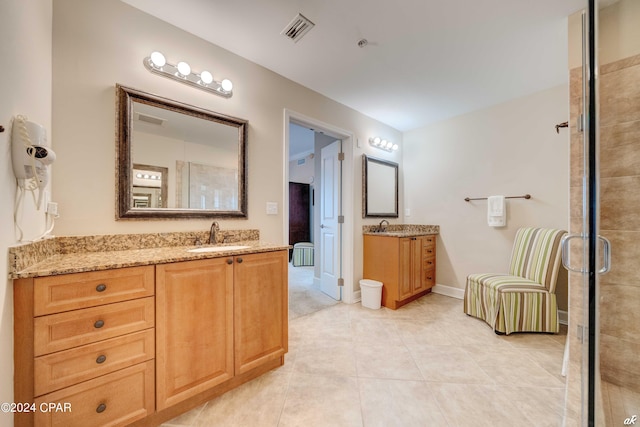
(175, 160)
(379, 188)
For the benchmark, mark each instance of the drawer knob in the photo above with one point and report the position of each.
(99, 324)
(429, 277)
(101, 287)
(429, 262)
(429, 250)
(230, 261)
(101, 358)
(101, 408)
(239, 260)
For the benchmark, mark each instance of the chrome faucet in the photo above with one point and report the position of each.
(213, 233)
(381, 228)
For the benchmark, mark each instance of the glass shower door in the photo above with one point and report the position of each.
(604, 334)
(580, 247)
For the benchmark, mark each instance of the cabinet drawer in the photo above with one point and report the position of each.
(429, 263)
(69, 367)
(55, 294)
(429, 278)
(429, 240)
(115, 399)
(67, 330)
(428, 251)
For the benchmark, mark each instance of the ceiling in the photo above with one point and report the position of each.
(425, 61)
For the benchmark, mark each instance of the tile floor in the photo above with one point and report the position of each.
(425, 364)
(304, 296)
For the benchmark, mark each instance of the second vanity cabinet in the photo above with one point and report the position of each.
(140, 345)
(405, 266)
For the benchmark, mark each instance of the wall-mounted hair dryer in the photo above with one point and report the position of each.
(31, 156)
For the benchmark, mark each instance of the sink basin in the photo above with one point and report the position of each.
(218, 248)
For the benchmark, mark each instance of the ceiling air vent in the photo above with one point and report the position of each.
(298, 27)
(150, 119)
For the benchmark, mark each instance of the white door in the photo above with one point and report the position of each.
(330, 228)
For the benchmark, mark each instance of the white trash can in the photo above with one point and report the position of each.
(371, 291)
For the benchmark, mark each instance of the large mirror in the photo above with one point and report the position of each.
(379, 188)
(178, 161)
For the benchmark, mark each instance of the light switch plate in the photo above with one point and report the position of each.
(272, 208)
(407, 212)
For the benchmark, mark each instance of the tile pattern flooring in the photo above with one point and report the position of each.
(425, 364)
(304, 297)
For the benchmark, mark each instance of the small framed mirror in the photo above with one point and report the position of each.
(178, 161)
(379, 188)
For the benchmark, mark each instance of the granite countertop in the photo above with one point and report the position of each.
(63, 255)
(401, 230)
(95, 261)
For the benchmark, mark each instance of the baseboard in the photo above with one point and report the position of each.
(563, 317)
(357, 296)
(448, 291)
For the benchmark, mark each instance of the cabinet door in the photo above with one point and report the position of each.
(261, 309)
(405, 279)
(417, 284)
(411, 266)
(194, 328)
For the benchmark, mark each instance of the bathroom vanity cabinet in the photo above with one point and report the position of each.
(406, 265)
(140, 345)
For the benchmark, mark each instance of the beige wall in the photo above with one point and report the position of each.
(509, 149)
(26, 48)
(92, 54)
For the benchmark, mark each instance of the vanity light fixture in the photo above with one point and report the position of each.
(182, 72)
(383, 144)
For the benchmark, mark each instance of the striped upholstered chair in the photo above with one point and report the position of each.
(523, 300)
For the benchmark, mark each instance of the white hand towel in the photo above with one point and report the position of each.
(496, 211)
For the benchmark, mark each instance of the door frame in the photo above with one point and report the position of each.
(348, 139)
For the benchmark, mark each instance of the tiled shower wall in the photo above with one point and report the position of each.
(620, 221)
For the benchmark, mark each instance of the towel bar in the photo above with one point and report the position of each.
(526, 196)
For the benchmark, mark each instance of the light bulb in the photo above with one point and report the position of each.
(389, 144)
(226, 84)
(206, 77)
(184, 69)
(139, 175)
(383, 143)
(146, 176)
(157, 59)
(395, 147)
(376, 140)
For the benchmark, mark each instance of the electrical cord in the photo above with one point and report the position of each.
(19, 198)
